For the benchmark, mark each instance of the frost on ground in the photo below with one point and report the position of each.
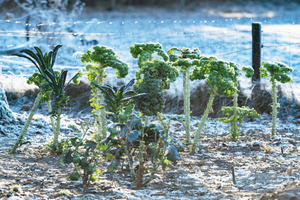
(5, 112)
(205, 175)
(261, 163)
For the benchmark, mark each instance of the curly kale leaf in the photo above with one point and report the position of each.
(159, 70)
(106, 58)
(276, 71)
(155, 101)
(186, 58)
(217, 73)
(249, 72)
(145, 51)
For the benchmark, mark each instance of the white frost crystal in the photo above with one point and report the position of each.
(5, 112)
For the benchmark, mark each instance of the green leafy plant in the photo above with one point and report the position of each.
(58, 85)
(221, 77)
(104, 58)
(42, 63)
(242, 112)
(151, 140)
(60, 147)
(85, 155)
(64, 192)
(276, 71)
(267, 149)
(238, 115)
(118, 98)
(185, 61)
(157, 76)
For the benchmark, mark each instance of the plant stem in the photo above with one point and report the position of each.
(51, 118)
(186, 93)
(146, 121)
(35, 105)
(234, 127)
(274, 106)
(98, 115)
(101, 101)
(163, 154)
(140, 171)
(56, 134)
(204, 117)
(130, 161)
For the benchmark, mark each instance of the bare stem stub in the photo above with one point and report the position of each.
(233, 175)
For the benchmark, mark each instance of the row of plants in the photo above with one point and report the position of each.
(132, 136)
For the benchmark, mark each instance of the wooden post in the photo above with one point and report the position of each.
(256, 50)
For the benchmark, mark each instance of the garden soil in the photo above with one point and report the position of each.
(264, 167)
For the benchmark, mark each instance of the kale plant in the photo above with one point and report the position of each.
(152, 140)
(221, 77)
(84, 154)
(276, 71)
(235, 125)
(104, 58)
(157, 76)
(58, 85)
(42, 63)
(186, 60)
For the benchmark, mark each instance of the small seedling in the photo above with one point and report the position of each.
(15, 188)
(72, 126)
(82, 198)
(64, 192)
(267, 149)
(85, 163)
(60, 146)
(235, 121)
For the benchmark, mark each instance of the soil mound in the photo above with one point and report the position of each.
(290, 191)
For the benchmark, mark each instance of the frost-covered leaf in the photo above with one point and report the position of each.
(91, 144)
(67, 159)
(113, 165)
(173, 154)
(134, 136)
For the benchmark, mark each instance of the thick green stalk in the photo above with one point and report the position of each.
(274, 107)
(98, 115)
(56, 133)
(51, 118)
(99, 98)
(204, 117)
(101, 101)
(35, 105)
(234, 127)
(186, 93)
